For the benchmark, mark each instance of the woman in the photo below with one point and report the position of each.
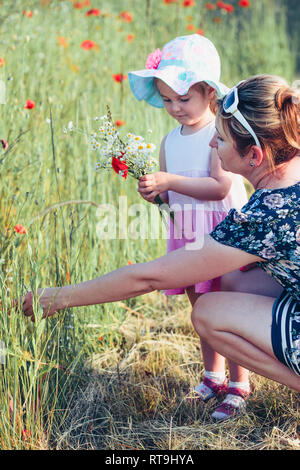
(257, 136)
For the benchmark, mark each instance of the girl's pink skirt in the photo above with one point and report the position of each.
(191, 226)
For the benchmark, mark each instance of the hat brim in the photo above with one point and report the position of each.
(143, 87)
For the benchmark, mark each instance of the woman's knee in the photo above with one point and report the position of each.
(203, 313)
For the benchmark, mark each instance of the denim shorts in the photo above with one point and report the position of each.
(286, 331)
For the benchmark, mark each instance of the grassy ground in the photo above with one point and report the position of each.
(135, 396)
(114, 376)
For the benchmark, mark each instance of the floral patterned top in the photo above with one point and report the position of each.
(268, 226)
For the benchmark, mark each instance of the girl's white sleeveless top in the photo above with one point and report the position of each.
(189, 155)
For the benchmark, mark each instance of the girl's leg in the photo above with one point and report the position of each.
(214, 363)
(238, 326)
(212, 360)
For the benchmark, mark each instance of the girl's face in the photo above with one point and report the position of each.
(229, 156)
(189, 109)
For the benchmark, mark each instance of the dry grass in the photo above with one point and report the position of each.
(134, 397)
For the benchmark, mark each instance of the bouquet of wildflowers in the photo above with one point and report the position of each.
(129, 155)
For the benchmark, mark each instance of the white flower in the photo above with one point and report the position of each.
(298, 234)
(269, 252)
(269, 239)
(273, 201)
(94, 144)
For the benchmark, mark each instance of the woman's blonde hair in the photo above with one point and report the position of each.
(272, 108)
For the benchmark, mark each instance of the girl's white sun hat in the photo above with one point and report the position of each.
(184, 61)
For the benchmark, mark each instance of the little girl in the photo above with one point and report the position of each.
(184, 78)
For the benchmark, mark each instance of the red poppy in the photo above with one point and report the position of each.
(120, 123)
(125, 15)
(4, 144)
(26, 433)
(93, 12)
(190, 27)
(220, 4)
(244, 3)
(27, 13)
(2, 62)
(167, 2)
(200, 31)
(229, 8)
(119, 77)
(29, 104)
(188, 3)
(210, 6)
(88, 44)
(120, 167)
(20, 229)
(62, 41)
(130, 37)
(78, 5)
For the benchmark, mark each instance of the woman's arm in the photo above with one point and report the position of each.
(212, 188)
(186, 266)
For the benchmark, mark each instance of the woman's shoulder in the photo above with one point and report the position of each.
(268, 209)
(276, 199)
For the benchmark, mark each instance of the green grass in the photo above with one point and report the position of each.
(114, 376)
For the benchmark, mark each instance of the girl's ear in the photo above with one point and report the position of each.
(255, 156)
(211, 91)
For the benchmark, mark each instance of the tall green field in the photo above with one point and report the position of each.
(114, 376)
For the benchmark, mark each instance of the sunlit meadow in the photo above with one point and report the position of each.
(114, 376)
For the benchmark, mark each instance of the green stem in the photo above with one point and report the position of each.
(158, 200)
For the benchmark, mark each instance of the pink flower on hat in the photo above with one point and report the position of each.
(153, 59)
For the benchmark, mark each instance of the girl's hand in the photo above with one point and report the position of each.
(153, 184)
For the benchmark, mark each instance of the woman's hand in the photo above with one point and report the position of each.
(153, 184)
(48, 299)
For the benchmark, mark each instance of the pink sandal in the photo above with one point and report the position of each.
(208, 389)
(233, 404)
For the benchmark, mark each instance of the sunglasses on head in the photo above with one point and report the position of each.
(230, 105)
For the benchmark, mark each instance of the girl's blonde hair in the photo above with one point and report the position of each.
(272, 108)
(204, 88)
